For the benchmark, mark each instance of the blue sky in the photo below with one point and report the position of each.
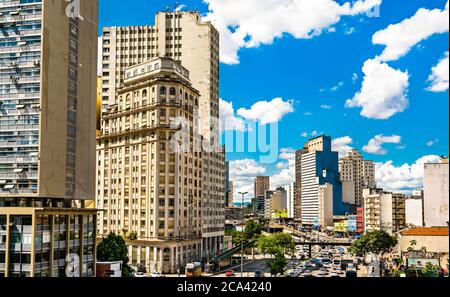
(318, 75)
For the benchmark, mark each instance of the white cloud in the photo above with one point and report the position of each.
(325, 106)
(228, 120)
(402, 178)
(375, 144)
(240, 25)
(287, 174)
(439, 75)
(337, 87)
(307, 114)
(355, 77)
(342, 145)
(180, 7)
(267, 112)
(350, 31)
(383, 92)
(243, 173)
(432, 142)
(401, 37)
(304, 134)
(282, 165)
(314, 133)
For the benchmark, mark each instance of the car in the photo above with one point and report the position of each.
(259, 273)
(139, 274)
(297, 247)
(334, 274)
(156, 274)
(229, 273)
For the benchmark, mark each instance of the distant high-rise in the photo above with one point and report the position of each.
(261, 185)
(318, 167)
(355, 174)
(48, 54)
(436, 193)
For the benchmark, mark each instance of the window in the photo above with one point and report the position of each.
(163, 91)
(172, 91)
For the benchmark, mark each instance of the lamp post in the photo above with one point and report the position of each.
(242, 241)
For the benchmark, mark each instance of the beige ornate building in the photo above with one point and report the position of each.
(355, 174)
(150, 167)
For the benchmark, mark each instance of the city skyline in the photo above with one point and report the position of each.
(309, 101)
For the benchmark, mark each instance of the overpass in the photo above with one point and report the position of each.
(227, 254)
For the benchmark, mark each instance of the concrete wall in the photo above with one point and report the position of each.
(414, 212)
(436, 194)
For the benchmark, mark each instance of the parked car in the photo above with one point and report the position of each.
(229, 273)
(259, 273)
(139, 274)
(156, 274)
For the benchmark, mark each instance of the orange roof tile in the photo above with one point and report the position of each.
(426, 231)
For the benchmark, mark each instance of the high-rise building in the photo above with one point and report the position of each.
(383, 211)
(261, 185)
(230, 194)
(298, 184)
(290, 192)
(48, 72)
(150, 172)
(355, 174)
(436, 194)
(319, 166)
(268, 204)
(184, 37)
(325, 217)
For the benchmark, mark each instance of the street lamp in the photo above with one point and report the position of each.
(242, 241)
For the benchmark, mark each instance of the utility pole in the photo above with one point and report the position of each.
(242, 241)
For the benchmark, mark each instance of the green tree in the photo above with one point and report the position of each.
(113, 248)
(237, 237)
(430, 270)
(277, 264)
(377, 242)
(277, 243)
(252, 230)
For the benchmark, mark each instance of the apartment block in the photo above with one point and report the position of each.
(383, 211)
(261, 185)
(150, 174)
(356, 174)
(47, 137)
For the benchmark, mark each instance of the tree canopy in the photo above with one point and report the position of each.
(113, 248)
(373, 242)
(276, 244)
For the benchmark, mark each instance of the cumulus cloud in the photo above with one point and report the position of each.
(325, 106)
(228, 120)
(383, 92)
(240, 25)
(342, 145)
(439, 75)
(243, 173)
(267, 112)
(180, 8)
(375, 144)
(401, 37)
(287, 174)
(404, 178)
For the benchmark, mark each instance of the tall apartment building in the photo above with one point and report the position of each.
(184, 37)
(230, 194)
(290, 192)
(147, 183)
(383, 211)
(436, 193)
(319, 166)
(355, 174)
(261, 185)
(47, 137)
(298, 184)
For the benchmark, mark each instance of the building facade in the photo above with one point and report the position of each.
(414, 209)
(383, 211)
(150, 172)
(290, 192)
(261, 185)
(185, 38)
(319, 166)
(325, 209)
(47, 137)
(436, 194)
(356, 174)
